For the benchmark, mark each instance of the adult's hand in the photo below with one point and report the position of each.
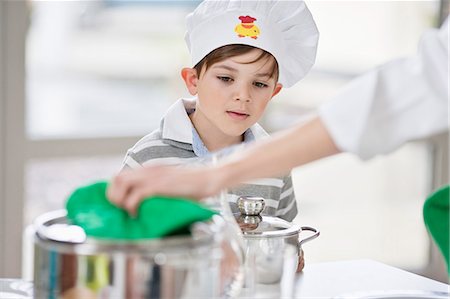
(130, 187)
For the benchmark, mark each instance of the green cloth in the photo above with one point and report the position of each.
(436, 216)
(156, 217)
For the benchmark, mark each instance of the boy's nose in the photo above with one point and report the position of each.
(243, 94)
(243, 99)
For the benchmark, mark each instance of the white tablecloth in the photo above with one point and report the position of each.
(329, 280)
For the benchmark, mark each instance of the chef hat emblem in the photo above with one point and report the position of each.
(247, 19)
(283, 28)
(247, 27)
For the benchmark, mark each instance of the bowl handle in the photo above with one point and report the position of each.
(312, 237)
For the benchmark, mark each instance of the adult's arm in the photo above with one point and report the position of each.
(271, 157)
(399, 101)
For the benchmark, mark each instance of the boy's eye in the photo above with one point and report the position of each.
(260, 84)
(224, 78)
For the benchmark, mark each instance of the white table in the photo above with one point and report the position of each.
(329, 280)
(323, 280)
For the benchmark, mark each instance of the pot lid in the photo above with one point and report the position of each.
(253, 225)
(54, 229)
(53, 226)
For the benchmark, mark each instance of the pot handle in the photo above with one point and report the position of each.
(312, 237)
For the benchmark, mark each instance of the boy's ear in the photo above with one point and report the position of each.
(190, 78)
(277, 89)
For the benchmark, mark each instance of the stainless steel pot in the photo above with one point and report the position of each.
(70, 265)
(273, 249)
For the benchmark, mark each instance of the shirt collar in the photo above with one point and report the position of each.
(200, 149)
(177, 126)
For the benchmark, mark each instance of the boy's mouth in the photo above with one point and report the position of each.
(238, 115)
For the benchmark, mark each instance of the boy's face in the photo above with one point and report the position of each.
(232, 94)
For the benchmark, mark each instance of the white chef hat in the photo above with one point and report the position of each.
(283, 28)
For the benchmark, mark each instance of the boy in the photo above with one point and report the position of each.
(243, 53)
(233, 84)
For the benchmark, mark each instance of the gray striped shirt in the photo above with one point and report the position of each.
(176, 142)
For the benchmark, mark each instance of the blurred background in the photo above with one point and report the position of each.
(82, 81)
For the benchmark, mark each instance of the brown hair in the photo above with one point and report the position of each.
(228, 51)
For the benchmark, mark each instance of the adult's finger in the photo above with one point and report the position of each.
(119, 187)
(134, 198)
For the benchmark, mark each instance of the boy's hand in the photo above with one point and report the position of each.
(301, 262)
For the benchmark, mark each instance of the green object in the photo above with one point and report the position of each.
(436, 216)
(156, 217)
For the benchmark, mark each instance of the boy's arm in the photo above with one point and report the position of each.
(287, 206)
(129, 162)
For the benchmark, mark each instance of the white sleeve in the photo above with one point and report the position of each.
(402, 100)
